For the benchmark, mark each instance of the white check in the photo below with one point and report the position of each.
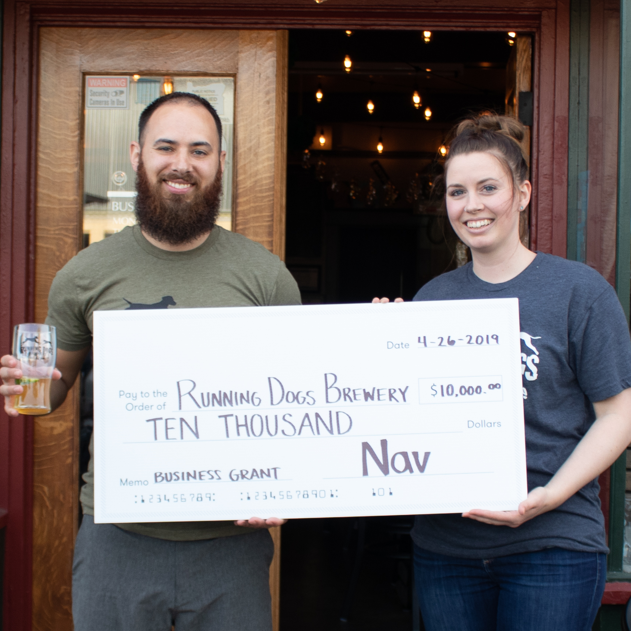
(332, 410)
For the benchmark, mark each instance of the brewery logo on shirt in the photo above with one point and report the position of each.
(529, 359)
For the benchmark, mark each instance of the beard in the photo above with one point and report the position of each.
(171, 218)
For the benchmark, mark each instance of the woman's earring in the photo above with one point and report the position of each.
(521, 208)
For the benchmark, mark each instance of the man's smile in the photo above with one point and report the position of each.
(179, 186)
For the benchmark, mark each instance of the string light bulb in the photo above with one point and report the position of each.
(428, 113)
(349, 33)
(511, 38)
(322, 138)
(370, 106)
(167, 85)
(380, 145)
(319, 94)
(136, 77)
(416, 99)
(442, 150)
(348, 64)
(427, 36)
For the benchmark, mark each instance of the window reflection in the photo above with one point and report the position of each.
(113, 105)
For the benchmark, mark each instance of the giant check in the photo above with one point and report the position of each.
(332, 410)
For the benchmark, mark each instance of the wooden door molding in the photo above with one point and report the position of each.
(66, 54)
(546, 20)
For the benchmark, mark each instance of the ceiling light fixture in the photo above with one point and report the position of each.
(416, 99)
(322, 139)
(349, 33)
(427, 36)
(319, 94)
(428, 113)
(380, 145)
(370, 106)
(167, 85)
(443, 150)
(136, 77)
(348, 64)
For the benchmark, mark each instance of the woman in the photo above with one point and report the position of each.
(541, 566)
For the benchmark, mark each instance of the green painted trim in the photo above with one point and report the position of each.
(623, 266)
(616, 513)
(578, 141)
(623, 243)
(609, 618)
(618, 577)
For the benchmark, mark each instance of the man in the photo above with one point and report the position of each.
(197, 575)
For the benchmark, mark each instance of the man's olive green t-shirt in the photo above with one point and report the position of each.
(126, 271)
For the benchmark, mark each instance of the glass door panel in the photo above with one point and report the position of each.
(112, 107)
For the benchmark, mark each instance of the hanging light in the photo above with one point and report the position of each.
(428, 113)
(511, 38)
(349, 33)
(370, 106)
(348, 64)
(443, 150)
(380, 145)
(319, 93)
(167, 85)
(322, 138)
(136, 77)
(427, 36)
(416, 99)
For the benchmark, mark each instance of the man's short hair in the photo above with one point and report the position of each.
(187, 97)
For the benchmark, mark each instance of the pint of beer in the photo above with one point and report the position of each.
(35, 348)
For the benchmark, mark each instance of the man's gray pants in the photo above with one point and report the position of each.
(122, 581)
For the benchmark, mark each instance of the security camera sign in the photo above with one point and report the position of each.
(107, 93)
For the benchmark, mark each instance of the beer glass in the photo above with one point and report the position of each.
(35, 348)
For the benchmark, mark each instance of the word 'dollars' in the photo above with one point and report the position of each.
(400, 461)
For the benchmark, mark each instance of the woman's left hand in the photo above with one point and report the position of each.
(538, 501)
(257, 522)
(606, 439)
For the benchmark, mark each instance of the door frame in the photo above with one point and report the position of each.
(546, 20)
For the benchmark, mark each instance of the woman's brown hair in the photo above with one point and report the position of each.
(500, 136)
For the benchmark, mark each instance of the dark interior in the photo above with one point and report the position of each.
(361, 224)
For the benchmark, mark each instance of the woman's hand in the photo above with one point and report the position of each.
(539, 501)
(257, 522)
(606, 439)
(385, 300)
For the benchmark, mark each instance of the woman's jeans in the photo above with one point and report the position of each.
(550, 590)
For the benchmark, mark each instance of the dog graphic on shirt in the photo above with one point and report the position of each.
(529, 359)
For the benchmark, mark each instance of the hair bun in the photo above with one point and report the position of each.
(489, 132)
(491, 122)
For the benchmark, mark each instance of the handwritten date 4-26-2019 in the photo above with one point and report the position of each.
(466, 340)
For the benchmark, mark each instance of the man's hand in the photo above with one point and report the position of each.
(538, 501)
(9, 372)
(64, 375)
(257, 522)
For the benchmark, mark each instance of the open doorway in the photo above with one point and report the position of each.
(364, 219)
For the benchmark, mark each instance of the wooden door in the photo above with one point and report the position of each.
(519, 100)
(258, 61)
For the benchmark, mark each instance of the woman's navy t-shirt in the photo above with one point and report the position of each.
(576, 351)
